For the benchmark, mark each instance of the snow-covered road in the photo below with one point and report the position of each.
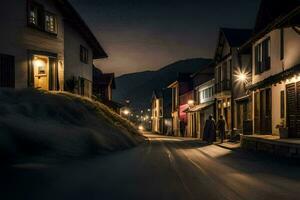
(162, 168)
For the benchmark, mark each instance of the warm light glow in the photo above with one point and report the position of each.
(38, 62)
(141, 128)
(126, 112)
(242, 76)
(191, 102)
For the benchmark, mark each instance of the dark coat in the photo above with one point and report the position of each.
(209, 133)
(221, 125)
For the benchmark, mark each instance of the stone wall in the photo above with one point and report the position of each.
(275, 147)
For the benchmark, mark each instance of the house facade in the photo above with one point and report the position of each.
(227, 61)
(103, 84)
(275, 86)
(161, 104)
(203, 101)
(46, 45)
(157, 112)
(182, 93)
(203, 108)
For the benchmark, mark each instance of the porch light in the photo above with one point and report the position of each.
(191, 102)
(242, 76)
(38, 62)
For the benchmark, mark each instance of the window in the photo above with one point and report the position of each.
(262, 56)
(35, 15)
(50, 23)
(281, 43)
(282, 104)
(40, 19)
(7, 71)
(84, 55)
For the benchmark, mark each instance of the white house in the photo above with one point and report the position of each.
(45, 44)
(275, 86)
(205, 106)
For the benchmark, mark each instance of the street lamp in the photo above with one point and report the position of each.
(191, 102)
(242, 77)
(126, 112)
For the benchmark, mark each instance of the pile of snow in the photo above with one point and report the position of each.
(51, 125)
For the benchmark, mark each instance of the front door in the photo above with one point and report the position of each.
(293, 109)
(41, 72)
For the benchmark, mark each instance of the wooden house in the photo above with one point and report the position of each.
(46, 45)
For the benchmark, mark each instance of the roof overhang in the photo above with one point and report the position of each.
(75, 20)
(277, 78)
(200, 106)
(281, 21)
(172, 85)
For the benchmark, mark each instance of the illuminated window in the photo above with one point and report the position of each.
(50, 23)
(40, 19)
(41, 70)
(35, 15)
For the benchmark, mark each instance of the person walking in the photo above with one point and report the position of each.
(182, 128)
(209, 133)
(221, 128)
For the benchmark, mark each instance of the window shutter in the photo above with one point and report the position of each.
(257, 71)
(7, 71)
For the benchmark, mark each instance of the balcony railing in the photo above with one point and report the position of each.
(222, 86)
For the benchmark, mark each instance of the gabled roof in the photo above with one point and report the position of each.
(72, 16)
(181, 77)
(234, 37)
(157, 94)
(269, 10)
(289, 19)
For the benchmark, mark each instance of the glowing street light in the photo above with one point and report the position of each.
(191, 102)
(242, 77)
(126, 112)
(141, 128)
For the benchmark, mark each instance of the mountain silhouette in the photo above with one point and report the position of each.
(139, 87)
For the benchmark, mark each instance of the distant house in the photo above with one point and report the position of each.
(182, 94)
(203, 103)
(103, 84)
(227, 63)
(275, 86)
(46, 45)
(161, 111)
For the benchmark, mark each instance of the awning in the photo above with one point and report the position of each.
(200, 107)
(289, 73)
(243, 98)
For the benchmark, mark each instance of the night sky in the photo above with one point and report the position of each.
(143, 35)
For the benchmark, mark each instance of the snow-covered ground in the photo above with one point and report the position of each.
(43, 125)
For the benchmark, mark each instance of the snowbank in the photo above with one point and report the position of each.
(54, 125)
